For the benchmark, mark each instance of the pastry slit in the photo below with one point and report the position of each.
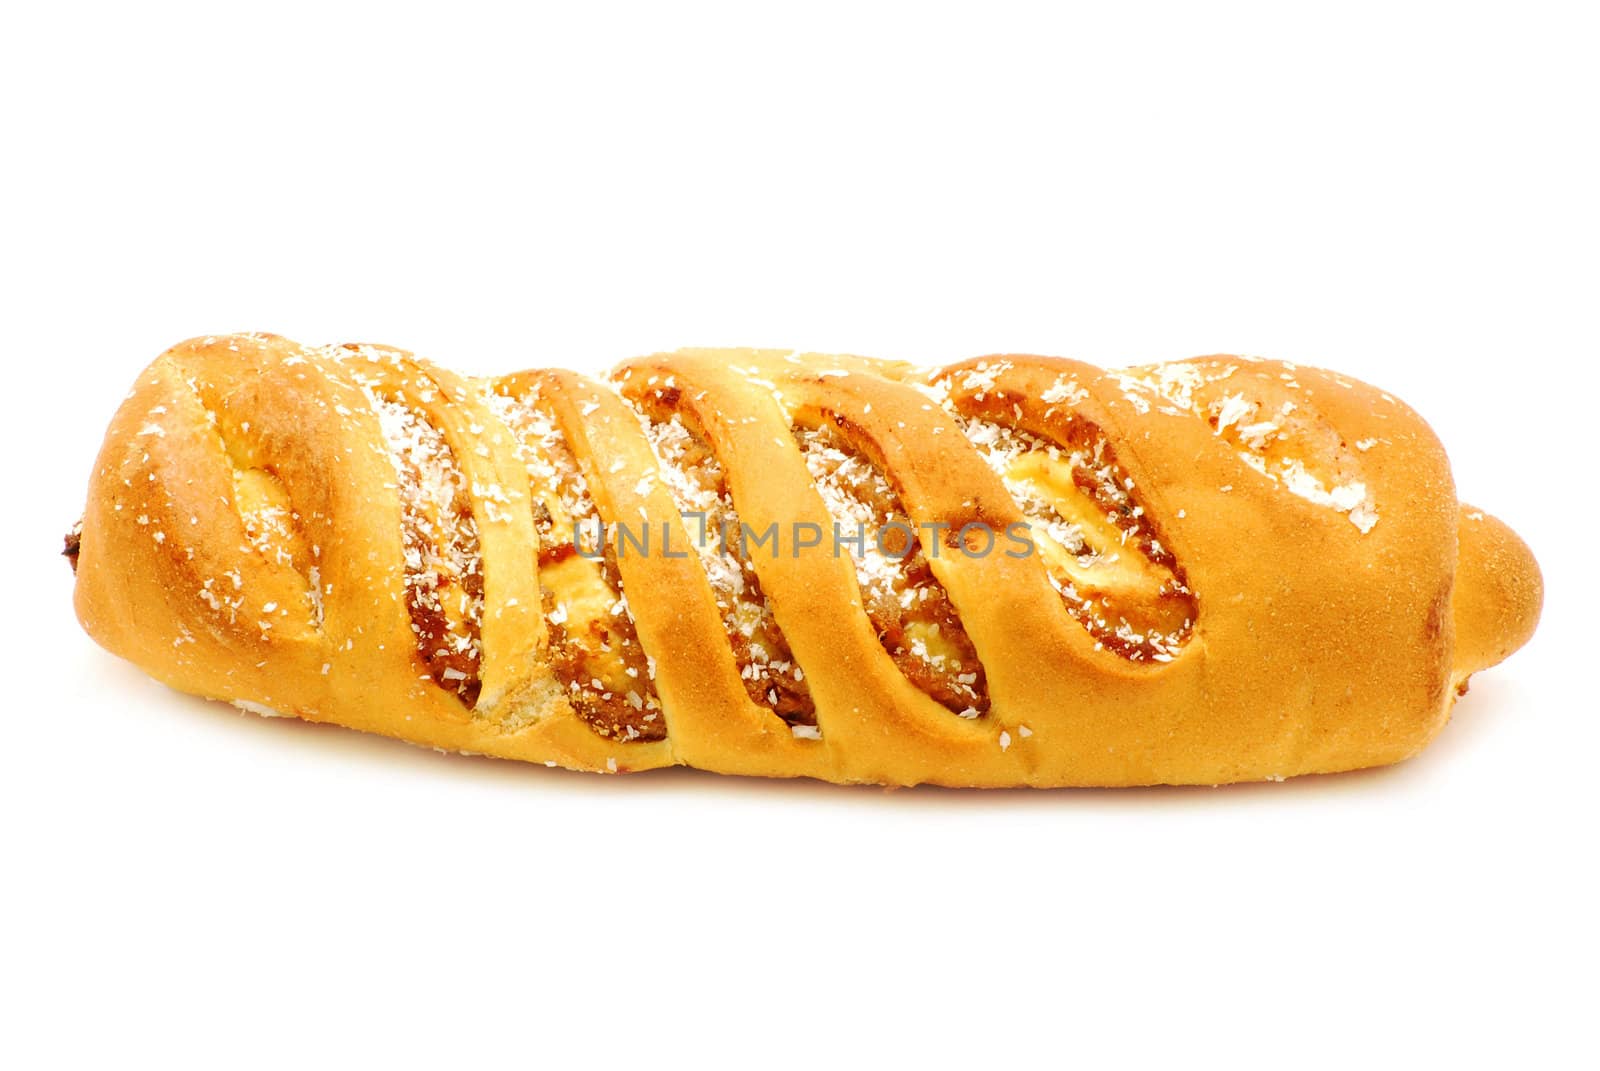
(910, 611)
(594, 644)
(768, 669)
(1100, 548)
(443, 561)
(273, 529)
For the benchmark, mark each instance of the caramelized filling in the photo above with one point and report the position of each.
(1100, 551)
(594, 645)
(909, 608)
(73, 543)
(699, 486)
(443, 563)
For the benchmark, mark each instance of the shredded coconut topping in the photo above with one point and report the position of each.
(1263, 437)
(594, 644)
(695, 478)
(910, 610)
(443, 561)
(1101, 551)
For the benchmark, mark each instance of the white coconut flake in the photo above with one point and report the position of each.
(1234, 409)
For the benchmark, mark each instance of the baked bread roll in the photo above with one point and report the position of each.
(1011, 571)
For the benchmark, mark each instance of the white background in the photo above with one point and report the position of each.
(1405, 193)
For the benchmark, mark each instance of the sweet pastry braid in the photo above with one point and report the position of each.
(1010, 571)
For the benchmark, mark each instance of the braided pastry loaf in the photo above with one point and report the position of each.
(1010, 571)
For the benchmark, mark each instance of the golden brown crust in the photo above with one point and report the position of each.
(1236, 569)
(1498, 595)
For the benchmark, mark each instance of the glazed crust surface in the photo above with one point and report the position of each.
(1236, 569)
